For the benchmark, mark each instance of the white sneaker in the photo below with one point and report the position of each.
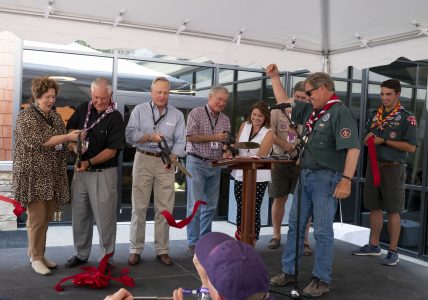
(40, 268)
(49, 263)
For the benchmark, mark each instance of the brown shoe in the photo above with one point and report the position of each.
(165, 259)
(134, 259)
(274, 243)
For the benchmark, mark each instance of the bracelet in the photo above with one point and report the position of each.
(89, 164)
(65, 136)
(346, 177)
(384, 141)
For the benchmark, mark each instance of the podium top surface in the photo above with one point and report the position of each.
(251, 162)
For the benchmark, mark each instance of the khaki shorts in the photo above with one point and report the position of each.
(284, 179)
(389, 196)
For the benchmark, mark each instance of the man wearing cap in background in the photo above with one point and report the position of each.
(230, 269)
(234, 270)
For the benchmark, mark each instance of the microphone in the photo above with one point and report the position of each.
(282, 106)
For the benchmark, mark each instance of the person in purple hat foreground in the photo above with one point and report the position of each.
(229, 269)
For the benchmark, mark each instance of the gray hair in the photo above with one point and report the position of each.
(216, 89)
(102, 82)
(160, 78)
(318, 79)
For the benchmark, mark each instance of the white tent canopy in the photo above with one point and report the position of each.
(296, 34)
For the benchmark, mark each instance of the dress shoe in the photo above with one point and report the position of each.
(40, 268)
(134, 259)
(74, 261)
(49, 263)
(165, 259)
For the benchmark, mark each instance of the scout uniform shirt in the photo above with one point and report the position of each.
(401, 128)
(334, 133)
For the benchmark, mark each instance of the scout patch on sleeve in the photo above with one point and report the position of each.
(345, 133)
(412, 120)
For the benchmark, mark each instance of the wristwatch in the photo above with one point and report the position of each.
(384, 141)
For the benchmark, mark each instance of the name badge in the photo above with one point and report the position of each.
(85, 146)
(214, 145)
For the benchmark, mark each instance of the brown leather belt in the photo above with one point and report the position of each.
(384, 164)
(155, 154)
(199, 157)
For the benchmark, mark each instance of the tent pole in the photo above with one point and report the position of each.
(326, 64)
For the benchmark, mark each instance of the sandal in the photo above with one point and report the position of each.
(274, 243)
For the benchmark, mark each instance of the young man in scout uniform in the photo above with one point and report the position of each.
(394, 132)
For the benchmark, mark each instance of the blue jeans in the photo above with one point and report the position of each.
(317, 200)
(204, 185)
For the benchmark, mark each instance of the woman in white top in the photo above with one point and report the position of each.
(256, 129)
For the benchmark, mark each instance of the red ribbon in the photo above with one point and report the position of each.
(373, 161)
(97, 278)
(18, 210)
(172, 222)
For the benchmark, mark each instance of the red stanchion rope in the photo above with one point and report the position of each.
(97, 278)
(173, 223)
(18, 210)
(373, 161)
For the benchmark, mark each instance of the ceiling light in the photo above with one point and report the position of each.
(290, 45)
(119, 17)
(364, 43)
(182, 27)
(62, 78)
(237, 38)
(49, 9)
(182, 92)
(422, 30)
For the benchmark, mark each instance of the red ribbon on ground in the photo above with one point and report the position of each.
(97, 278)
(18, 210)
(373, 161)
(172, 222)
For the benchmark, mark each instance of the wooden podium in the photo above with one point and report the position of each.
(249, 166)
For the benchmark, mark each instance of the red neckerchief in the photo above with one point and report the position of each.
(373, 161)
(380, 123)
(315, 116)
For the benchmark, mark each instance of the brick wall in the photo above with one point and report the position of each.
(8, 43)
(7, 218)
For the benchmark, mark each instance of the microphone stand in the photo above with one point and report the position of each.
(295, 293)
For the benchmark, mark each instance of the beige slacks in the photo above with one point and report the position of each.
(39, 214)
(149, 173)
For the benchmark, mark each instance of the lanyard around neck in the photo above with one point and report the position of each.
(211, 122)
(156, 122)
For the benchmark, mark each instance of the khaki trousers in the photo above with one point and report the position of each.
(149, 173)
(39, 214)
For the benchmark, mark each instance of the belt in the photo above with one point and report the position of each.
(384, 164)
(199, 157)
(155, 154)
(98, 170)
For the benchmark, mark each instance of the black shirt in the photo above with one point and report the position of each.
(107, 134)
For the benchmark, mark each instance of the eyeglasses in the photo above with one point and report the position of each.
(309, 93)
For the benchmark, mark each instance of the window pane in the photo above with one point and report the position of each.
(136, 75)
(225, 76)
(248, 75)
(73, 72)
(423, 71)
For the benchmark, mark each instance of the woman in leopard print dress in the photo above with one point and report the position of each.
(39, 167)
